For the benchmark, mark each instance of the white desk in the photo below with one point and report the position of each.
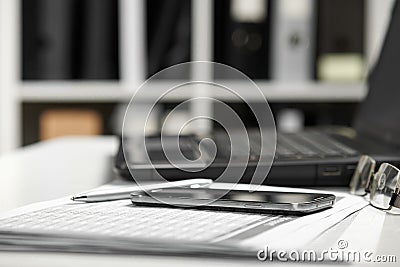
(54, 169)
(69, 165)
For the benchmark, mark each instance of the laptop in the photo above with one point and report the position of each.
(313, 157)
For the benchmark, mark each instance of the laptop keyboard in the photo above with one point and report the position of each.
(310, 145)
(302, 145)
(290, 146)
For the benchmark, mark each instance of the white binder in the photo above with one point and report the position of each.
(292, 40)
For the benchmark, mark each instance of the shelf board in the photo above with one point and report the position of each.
(313, 91)
(71, 92)
(66, 91)
(119, 92)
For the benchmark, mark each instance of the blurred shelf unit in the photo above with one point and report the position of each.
(197, 31)
(235, 32)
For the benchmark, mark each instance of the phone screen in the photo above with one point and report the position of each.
(242, 196)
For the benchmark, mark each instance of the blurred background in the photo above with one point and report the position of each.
(68, 67)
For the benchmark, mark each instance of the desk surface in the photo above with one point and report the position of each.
(66, 166)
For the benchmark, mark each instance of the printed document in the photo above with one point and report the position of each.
(121, 227)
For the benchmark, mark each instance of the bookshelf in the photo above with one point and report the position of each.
(14, 92)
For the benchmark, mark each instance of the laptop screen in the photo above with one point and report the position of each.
(379, 114)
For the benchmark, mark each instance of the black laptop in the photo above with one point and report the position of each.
(314, 157)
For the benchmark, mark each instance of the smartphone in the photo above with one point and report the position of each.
(236, 200)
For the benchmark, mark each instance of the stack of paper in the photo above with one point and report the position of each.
(120, 227)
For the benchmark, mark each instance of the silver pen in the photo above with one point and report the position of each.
(124, 192)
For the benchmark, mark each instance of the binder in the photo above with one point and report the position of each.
(70, 39)
(340, 47)
(132, 42)
(100, 40)
(30, 44)
(168, 34)
(48, 39)
(293, 39)
(242, 36)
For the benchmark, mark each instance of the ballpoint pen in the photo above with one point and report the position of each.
(124, 192)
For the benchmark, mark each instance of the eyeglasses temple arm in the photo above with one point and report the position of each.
(395, 199)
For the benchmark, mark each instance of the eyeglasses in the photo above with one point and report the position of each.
(383, 186)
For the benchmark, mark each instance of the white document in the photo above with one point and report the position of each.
(369, 220)
(118, 226)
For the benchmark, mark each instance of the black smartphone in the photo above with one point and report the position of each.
(236, 200)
